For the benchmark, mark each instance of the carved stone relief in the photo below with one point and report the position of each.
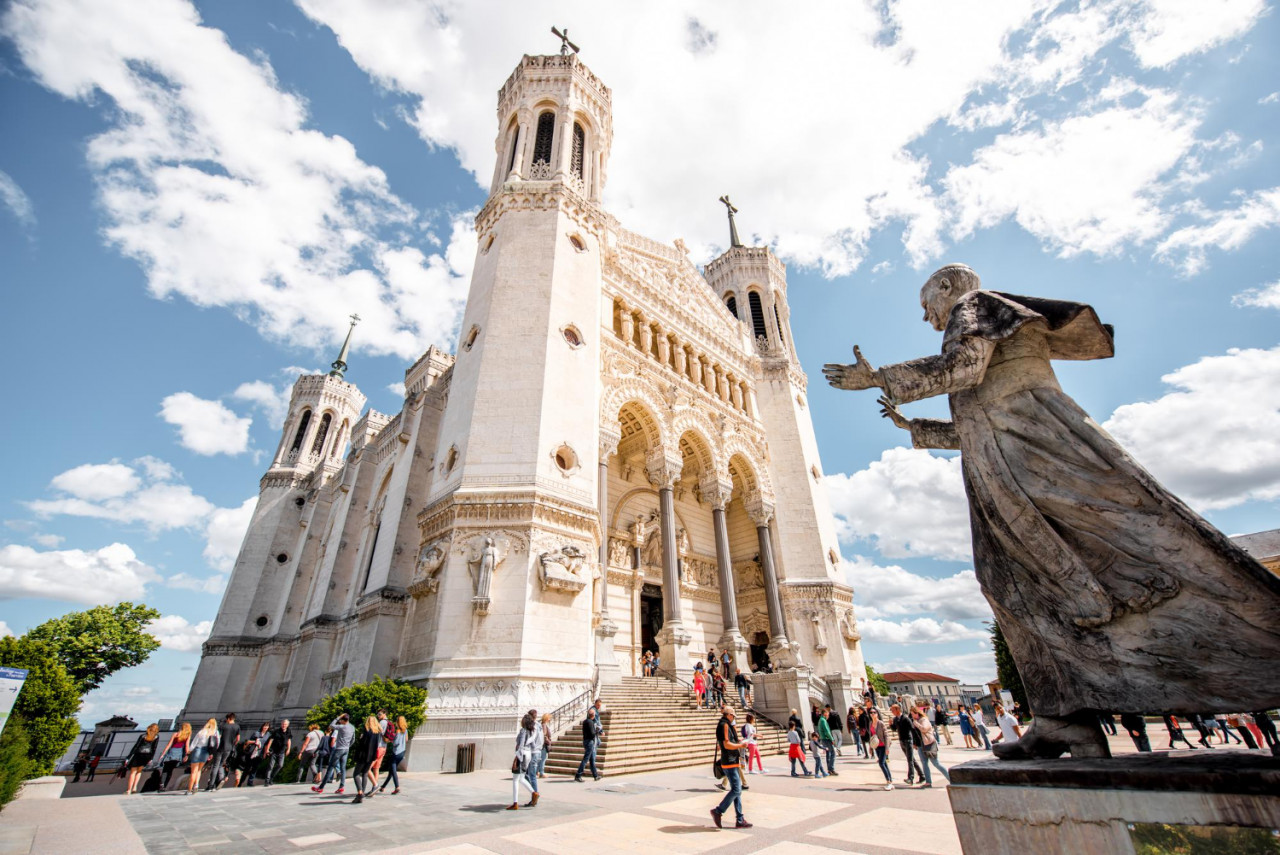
(562, 569)
(426, 573)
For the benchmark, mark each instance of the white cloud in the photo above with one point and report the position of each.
(97, 481)
(1215, 439)
(110, 574)
(137, 691)
(1266, 297)
(1273, 98)
(225, 533)
(210, 178)
(918, 631)
(206, 427)
(908, 503)
(1172, 29)
(1225, 229)
(49, 541)
(892, 591)
(5, 632)
(17, 201)
(214, 584)
(272, 400)
(177, 633)
(396, 388)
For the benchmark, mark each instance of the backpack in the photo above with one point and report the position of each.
(152, 784)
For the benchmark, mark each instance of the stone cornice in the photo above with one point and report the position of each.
(541, 196)
(514, 508)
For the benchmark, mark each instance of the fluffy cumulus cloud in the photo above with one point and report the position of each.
(1084, 174)
(225, 532)
(98, 481)
(211, 177)
(206, 427)
(177, 633)
(922, 630)
(1266, 297)
(1223, 229)
(908, 503)
(273, 401)
(893, 591)
(110, 574)
(1215, 438)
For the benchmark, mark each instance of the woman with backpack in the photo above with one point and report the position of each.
(202, 744)
(175, 753)
(395, 754)
(143, 752)
(364, 751)
(878, 741)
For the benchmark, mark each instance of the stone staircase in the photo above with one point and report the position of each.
(652, 723)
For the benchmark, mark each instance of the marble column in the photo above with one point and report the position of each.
(606, 629)
(718, 493)
(673, 639)
(781, 650)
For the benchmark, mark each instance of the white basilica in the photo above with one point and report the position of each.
(619, 458)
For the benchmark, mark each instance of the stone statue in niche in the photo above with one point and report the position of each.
(1113, 595)
(561, 570)
(651, 554)
(619, 553)
(749, 576)
(484, 555)
(426, 573)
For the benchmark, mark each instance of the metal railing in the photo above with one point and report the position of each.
(569, 713)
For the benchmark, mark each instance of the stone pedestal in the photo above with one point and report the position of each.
(606, 659)
(739, 653)
(1097, 805)
(673, 650)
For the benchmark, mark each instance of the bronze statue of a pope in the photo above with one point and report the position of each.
(1112, 594)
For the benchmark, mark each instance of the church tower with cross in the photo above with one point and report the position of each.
(617, 461)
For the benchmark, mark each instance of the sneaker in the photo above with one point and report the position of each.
(926, 786)
(396, 791)
(358, 799)
(716, 818)
(889, 786)
(577, 778)
(742, 823)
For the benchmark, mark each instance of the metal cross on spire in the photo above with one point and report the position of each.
(339, 365)
(733, 227)
(565, 44)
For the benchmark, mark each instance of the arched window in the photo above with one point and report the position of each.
(732, 302)
(579, 149)
(338, 440)
(778, 320)
(302, 431)
(515, 138)
(542, 141)
(325, 421)
(757, 315)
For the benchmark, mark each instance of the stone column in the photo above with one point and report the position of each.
(673, 639)
(718, 493)
(606, 629)
(780, 649)
(522, 136)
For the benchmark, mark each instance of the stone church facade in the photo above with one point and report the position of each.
(619, 457)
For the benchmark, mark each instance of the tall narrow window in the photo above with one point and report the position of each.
(778, 320)
(757, 315)
(542, 142)
(338, 440)
(373, 547)
(302, 431)
(515, 138)
(732, 302)
(322, 433)
(579, 150)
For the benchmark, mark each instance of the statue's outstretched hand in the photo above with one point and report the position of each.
(859, 375)
(890, 411)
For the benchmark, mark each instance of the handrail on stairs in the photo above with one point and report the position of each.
(567, 715)
(676, 681)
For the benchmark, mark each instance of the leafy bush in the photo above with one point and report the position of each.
(361, 700)
(15, 764)
(47, 703)
(877, 682)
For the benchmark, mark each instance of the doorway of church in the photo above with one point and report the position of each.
(650, 616)
(759, 652)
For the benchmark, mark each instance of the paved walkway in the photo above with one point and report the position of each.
(651, 813)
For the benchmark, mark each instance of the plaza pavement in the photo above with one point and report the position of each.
(652, 813)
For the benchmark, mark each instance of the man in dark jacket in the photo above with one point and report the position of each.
(228, 738)
(836, 723)
(795, 717)
(592, 731)
(908, 739)
(728, 753)
(279, 743)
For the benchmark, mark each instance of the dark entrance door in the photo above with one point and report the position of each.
(759, 648)
(650, 616)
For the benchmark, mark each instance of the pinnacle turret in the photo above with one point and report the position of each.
(339, 365)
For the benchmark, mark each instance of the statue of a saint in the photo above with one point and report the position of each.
(1113, 595)
(482, 563)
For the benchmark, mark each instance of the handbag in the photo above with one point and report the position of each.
(515, 766)
(716, 769)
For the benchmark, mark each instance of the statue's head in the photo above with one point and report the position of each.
(940, 293)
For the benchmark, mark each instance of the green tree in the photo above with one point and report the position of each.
(15, 760)
(1006, 668)
(95, 644)
(877, 682)
(48, 701)
(365, 699)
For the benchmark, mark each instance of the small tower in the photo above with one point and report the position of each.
(316, 431)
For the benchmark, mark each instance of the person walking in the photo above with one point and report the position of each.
(795, 747)
(851, 722)
(749, 736)
(228, 739)
(836, 723)
(93, 767)
(742, 683)
(816, 749)
(324, 750)
(940, 722)
(520, 764)
(255, 762)
(395, 752)
(82, 763)
(344, 734)
(364, 750)
(878, 741)
(718, 687)
(795, 719)
(592, 730)
(928, 747)
(1172, 725)
(1108, 722)
(826, 739)
(1197, 721)
(908, 740)
(279, 744)
(140, 756)
(729, 749)
(203, 744)
(174, 754)
(246, 757)
(540, 759)
(979, 726)
(307, 753)
(1267, 730)
(1136, 726)
(700, 687)
(1225, 726)
(966, 726)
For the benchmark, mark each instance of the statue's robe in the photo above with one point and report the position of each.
(1112, 593)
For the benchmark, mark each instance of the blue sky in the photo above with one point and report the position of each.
(196, 196)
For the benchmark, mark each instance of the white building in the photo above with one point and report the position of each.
(619, 457)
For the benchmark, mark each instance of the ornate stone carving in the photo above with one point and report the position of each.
(749, 575)
(485, 553)
(562, 570)
(426, 573)
(663, 468)
(619, 553)
(849, 626)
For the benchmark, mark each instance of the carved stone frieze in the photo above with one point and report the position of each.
(563, 569)
(426, 572)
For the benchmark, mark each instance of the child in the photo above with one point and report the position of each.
(795, 751)
(815, 747)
